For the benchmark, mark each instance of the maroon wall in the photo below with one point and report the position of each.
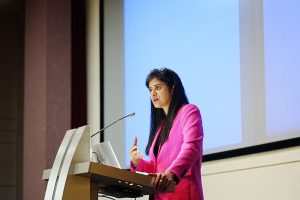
(47, 88)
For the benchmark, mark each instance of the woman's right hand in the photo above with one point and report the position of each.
(135, 155)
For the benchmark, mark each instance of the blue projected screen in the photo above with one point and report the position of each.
(282, 67)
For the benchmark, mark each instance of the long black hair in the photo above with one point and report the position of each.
(158, 117)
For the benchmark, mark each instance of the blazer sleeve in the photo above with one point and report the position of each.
(191, 149)
(143, 166)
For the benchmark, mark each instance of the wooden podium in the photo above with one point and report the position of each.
(73, 176)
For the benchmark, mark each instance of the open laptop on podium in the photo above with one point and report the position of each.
(103, 153)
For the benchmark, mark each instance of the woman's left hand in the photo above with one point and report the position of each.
(162, 181)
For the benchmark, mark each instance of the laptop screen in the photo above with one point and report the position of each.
(103, 153)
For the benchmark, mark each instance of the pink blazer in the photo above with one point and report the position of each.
(180, 154)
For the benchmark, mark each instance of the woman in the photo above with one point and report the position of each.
(175, 141)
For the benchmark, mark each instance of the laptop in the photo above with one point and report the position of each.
(103, 153)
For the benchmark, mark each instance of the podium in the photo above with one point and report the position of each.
(74, 176)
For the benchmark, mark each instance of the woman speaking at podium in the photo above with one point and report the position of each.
(175, 140)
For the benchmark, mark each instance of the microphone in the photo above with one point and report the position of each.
(102, 129)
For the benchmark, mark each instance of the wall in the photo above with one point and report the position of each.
(47, 88)
(270, 175)
(10, 105)
(93, 71)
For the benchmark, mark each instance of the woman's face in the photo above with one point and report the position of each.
(160, 94)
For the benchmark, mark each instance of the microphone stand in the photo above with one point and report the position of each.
(102, 129)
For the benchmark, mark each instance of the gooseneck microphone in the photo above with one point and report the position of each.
(102, 129)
